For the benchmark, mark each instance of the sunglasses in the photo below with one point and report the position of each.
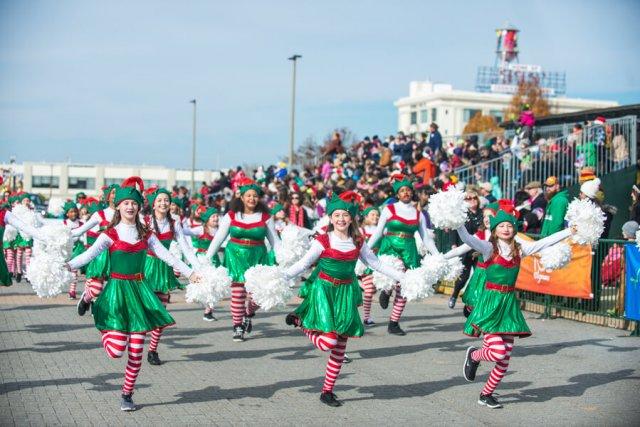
(470, 198)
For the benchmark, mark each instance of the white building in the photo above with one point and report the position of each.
(452, 109)
(65, 180)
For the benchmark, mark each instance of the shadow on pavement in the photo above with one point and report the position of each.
(99, 383)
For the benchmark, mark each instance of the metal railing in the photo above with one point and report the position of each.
(605, 148)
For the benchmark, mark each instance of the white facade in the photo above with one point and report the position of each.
(451, 109)
(64, 180)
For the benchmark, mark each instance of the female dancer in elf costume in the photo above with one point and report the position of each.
(23, 245)
(497, 314)
(247, 223)
(328, 314)
(9, 246)
(98, 269)
(371, 216)
(201, 236)
(158, 275)
(72, 221)
(397, 225)
(127, 308)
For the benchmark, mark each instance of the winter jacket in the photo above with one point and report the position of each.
(554, 216)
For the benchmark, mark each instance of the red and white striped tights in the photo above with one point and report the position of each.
(336, 345)
(495, 348)
(157, 332)
(115, 343)
(22, 254)
(10, 258)
(398, 306)
(241, 304)
(92, 289)
(366, 283)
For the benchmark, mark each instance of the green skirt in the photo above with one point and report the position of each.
(98, 268)
(78, 248)
(475, 287)
(331, 308)
(129, 306)
(21, 242)
(159, 276)
(9, 245)
(5, 279)
(239, 258)
(402, 248)
(497, 313)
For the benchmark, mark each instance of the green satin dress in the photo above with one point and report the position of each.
(201, 244)
(498, 310)
(127, 303)
(331, 295)
(475, 287)
(5, 278)
(78, 246)
(246, 247)
(398, 239)
(157, 274)
(98, 268)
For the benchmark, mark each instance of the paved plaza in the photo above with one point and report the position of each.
(55, 372)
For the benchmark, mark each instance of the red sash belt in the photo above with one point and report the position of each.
(324, 276)
(201, 250)
(247, 242)
(399, 234)
(151, 253)
(500, 288)
(136, 276)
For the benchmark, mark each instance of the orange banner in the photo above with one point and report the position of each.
(574, 280)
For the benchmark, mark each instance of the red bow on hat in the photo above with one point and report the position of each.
(245, 181)
(133, 181)
(508, 206)
(397, 177)
(151, 189)
(350, 197)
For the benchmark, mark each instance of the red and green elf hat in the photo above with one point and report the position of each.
(398, 181)
(130, 189)
(501, 217)
(68, 205)
(247, 184)
(107, 189)
(346, 201)
(204, 213)
(151, 196)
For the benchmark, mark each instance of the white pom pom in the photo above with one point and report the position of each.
(55, 206)
(435, 267)
(25, 215)
(447, 209)
(360, 268)
(47, 270)
(382, 282)
(555, 257)
(589, 219)
(455, 267)
(10, 233)
(214, 286)
(295, 242)
(638, 239)
(268, 286)
(174, 249)
(416, 284)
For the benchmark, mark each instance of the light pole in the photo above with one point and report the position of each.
(193, 151)
(294, 59)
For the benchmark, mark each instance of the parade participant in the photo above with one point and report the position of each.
(497, 315)
(98, 269)
(397, 225)
(72, 222)
(247, 223)
(23, 245)
(201, 236)
(9, 245)
(280, 219)
(158, 275)
(328, 314)
(370, 216)
(127, 308)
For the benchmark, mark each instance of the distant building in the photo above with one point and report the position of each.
(65, 180)
(452, 109)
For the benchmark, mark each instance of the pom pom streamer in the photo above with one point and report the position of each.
(47, 271)
(382, 282)
(174, 249)
(555, 257)
(25, 215)
(589, 220)
(268, 286)
(435, 268)
(447, 209)
(215, 285)
(455, 267)
(416, 284)
(360, 268)
(10, 233)
(295, 242)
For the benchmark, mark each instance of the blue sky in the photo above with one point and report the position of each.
(96, 82)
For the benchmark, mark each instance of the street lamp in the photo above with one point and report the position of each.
(294, 59)
(193, 151)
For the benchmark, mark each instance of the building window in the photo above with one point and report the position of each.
(497, 114)
(82, 183)
(111, 181)
(424, 116)
(159, 182)
(434, 115)
(414, 117)
(468, 113)
(45, 181)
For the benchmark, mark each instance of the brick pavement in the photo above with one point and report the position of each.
(53, 372)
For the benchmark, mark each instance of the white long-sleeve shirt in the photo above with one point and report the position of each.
(225, 225)
(464, 248)
(179, 236)
(129, 233)
(94, 222)
(526, 247)
(409, 212)
(20, 225)
(366, 255)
